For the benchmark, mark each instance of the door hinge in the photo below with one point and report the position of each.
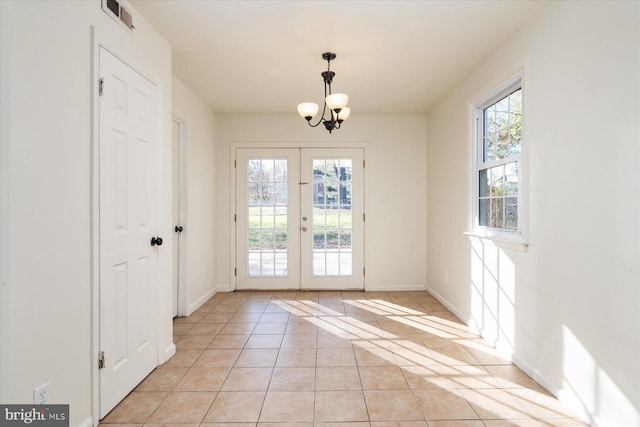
(235, 164)
(101, 360)
(101, 86)
(235, 217)
(364, 163)
(364, 217)
(363, 271)
(235, 271)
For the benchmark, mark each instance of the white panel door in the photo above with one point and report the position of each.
(129, 145)
(332, 221)
(299, 219)
(267, 212)
(176, 171)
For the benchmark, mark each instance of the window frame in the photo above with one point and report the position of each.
(499, 234)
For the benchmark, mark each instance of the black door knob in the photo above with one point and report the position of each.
(178, 229)
(156, 241)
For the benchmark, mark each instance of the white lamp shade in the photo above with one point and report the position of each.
(337, 101)
(343, 114)
(308, 109)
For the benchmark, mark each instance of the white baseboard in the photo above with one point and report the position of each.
(87, 423)
(391, 288)
(225, 288)
(449, 306)
(198, 303)
(566, 396)
(169, 352)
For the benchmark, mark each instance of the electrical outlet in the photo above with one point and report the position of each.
(41, 394)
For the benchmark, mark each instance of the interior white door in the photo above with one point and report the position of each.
(299, 219)
(332, 230)
(267, 211)
(128, 220)
(176, 187)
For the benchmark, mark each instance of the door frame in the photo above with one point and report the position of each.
(234, 146)
(101, 40)
(183, 133)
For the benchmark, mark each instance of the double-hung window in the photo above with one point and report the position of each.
(498, 166)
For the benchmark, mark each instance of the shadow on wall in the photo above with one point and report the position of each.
(582, 384)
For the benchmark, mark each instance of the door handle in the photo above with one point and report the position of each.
(178, 229)
(156, 241)
(304, 228)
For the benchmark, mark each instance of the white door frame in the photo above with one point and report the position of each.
(127, 56)
(183, 130)
(300, 145)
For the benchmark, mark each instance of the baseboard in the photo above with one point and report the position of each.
(198, 303)
(391, 288)
(169, 352)
(225, 288)
(567, 397)
(87, 423)
(450, 307)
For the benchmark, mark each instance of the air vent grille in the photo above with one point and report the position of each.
(114, 9)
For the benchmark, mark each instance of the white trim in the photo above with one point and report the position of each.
(169, 352)
(391, 288)
(235, 145)
(499, 91)
(567, 396)
(183, 131)
(225, 288)
(5, 150)
(86, 423)
(98, 40)
(198, 303)
(465, 319)
(516, 244)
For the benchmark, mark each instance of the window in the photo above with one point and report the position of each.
(498, 161)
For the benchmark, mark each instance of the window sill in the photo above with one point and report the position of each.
(514, 243)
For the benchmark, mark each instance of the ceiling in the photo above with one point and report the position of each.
(393, 57)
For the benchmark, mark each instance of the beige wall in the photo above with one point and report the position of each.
(568, 306)
(47, 193)
(395, 234)
(200, 250)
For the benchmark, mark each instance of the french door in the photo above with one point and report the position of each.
(299, 218)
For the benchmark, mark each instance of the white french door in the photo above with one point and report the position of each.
(128, 176)
(299, 219)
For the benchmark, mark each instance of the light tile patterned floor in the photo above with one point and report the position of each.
(334, 359)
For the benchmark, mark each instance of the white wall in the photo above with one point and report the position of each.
(395, 246)
(567, 307)
(49, 214)
(200, 250)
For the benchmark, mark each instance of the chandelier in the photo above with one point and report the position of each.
(337, 102)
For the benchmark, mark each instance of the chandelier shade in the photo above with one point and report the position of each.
(336, 102)
(308, 109)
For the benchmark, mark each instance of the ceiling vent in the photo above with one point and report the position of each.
(114, 9)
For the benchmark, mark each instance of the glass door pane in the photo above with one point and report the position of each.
(332, 237)
(331, 223)
(267, 205)
(267, 237)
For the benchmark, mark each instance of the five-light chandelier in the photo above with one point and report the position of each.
(337, 102)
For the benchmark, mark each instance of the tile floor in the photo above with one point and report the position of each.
(334, 359)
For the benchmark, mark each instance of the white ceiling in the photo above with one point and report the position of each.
(264, 57)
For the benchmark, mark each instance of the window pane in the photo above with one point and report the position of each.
(267, 217)
(484, 212)
(502, 127)
(497, 213)
(511, 178)
(511, 213)
(332, 223)
(498, 201)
